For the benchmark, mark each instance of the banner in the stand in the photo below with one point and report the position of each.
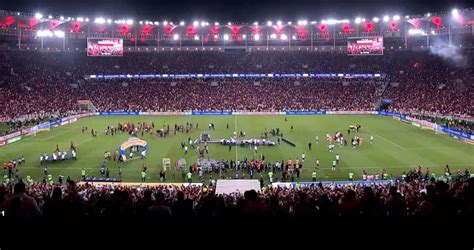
(305, 112)
(256, 113)
(161, 113)
(118, 113)
(351, 112)
(211, 113)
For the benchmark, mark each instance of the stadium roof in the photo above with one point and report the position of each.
(202, 22)
(234, 10)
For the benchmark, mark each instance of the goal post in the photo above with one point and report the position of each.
(86, 105)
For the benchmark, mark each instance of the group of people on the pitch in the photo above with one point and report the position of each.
(59, 155)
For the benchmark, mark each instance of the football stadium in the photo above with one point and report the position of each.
(360, 115)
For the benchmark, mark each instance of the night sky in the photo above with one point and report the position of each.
(232, 10)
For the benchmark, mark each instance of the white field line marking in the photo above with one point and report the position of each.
(235, 129)
(393, 143)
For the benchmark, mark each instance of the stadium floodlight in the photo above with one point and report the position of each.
(129, 21)
(59, 33)
(407, 16)
(455, 13)
(39, 15)
(273, 36)
(196, 37)
(87, 19)
(293, 37)
(203, 24)
(358, 20)
(61, 18)
(176, 37)
(216, 36)
(226, 37)
(375, 19)
(256, 37)
(109, 21)
(396, 18)
(244, 36)
(49, 33)
(255, 23)
(141, 22)
(156, 23)
(171, 23)
(80, 19)
(433, 32)
(386, 19)
(181, 23)
(279, 23)
(289, 23)
(165, 23)
(195, 23)
(269, 23)
(229, 23)
(304, 22)
(49, 17)
(68, 18)
(99, 20)
(18, 13)
(283, 37)
(428, 14)
(314, 22)
(216, 24)
(416, 32)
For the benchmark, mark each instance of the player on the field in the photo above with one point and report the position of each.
(371, 139)
(143, 175)
(317, 163)
(337, 158)
(334, 165)
(331, 148)
(303, 156)
(189, 175)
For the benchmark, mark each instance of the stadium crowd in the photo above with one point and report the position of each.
(414, 197)
(38, 85)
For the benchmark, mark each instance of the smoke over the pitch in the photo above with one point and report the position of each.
(452, 54)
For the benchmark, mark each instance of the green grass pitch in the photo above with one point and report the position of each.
(397, 146)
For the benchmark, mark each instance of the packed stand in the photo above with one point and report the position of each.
(36, 85)
(407, 197)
